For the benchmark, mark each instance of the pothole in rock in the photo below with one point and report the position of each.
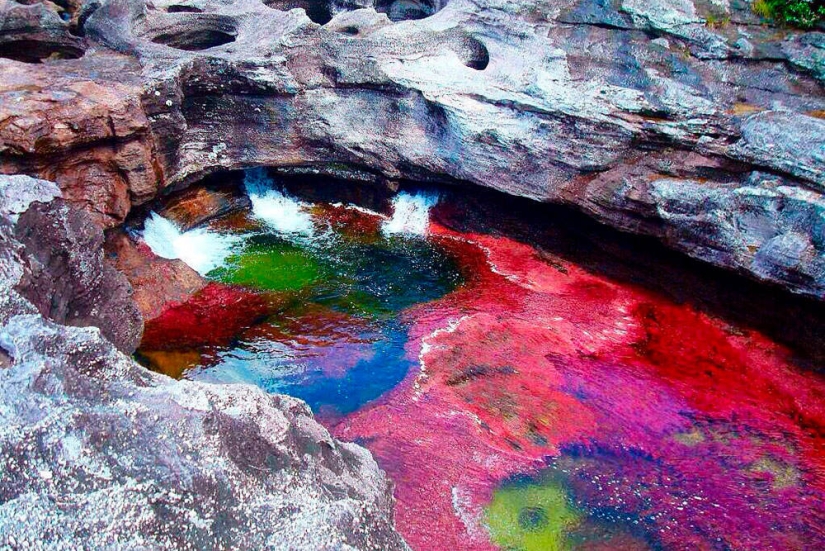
(306, 298)
(403, 10)
(320, 12)
(195, 40)
(474, 53)
(34, 51)
(183, 9)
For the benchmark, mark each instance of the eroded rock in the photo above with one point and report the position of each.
(64, 274)
(157, 282)
(537, 100)
(98, 452)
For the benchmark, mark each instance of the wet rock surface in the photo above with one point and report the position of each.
(623, 109)
(157, 282)
(96, 451)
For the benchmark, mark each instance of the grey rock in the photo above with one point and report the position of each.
(548, 100)
(97, 452)
(17, 193)
(786, 142)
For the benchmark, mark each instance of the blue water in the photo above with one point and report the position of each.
(378, 364)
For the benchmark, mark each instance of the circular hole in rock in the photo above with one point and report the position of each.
(403, 10)
(475, 54)
(318, 11)
(194, 40)
(183, 9)
(34, 51)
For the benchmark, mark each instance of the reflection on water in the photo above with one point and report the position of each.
(517, 400)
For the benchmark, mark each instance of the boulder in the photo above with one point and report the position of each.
(64, 275)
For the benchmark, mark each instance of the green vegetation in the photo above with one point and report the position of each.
(804, 14)
(270, 265)
(714, 21)
(531, 516)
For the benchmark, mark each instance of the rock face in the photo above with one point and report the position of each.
(96, 451)
(686, 120)
(65, 276)
(156, 281)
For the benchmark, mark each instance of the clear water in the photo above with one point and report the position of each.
(517, 400)
(335, 336)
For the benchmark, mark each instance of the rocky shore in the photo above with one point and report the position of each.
(98, 452)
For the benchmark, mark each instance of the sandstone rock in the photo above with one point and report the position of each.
(80, 123)
(35, 32)
(65, 277)
(531, 99)
(157, 282)
(98, 452)
(198, 205)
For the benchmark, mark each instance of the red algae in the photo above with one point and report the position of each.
(349, 221)
(213, 316)
(693, 433)
(656, 425)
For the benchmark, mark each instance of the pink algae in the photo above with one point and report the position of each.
(699, 434)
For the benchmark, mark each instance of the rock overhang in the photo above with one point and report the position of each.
(555, 102)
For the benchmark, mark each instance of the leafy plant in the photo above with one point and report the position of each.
(804, 14)
(714, 21)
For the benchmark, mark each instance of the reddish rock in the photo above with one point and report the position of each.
(157, 282)
(80, 123)
(198, 205)
(65, 275)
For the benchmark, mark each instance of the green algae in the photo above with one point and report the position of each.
(374, 280)
(271, 265)
(532, 515)
(692, 437)
(783, 475)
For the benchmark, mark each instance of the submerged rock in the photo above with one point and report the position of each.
(579, 102)
(96, 451)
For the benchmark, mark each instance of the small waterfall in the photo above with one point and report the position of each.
(279, 211)
(411, 213)
(201, 249)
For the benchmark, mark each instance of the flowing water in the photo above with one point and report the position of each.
(516, 400)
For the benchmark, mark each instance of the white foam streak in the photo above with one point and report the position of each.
(411, 213)
(279, 211)
(201, 249)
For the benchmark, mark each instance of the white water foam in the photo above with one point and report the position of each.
(410, 214)
(201, 249)
(278, 210)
